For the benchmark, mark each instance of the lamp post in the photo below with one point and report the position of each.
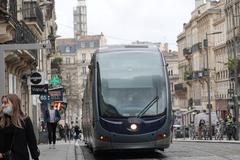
(235, 91)
(209, 105)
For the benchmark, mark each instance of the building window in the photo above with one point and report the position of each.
(68, 49)
(84, 57)
(96, 44)
(68, 76)
(67, 60)
(87, 44)
(82, 44)
(91, 44)
(84, 70)
(84, 82)
(12, 84)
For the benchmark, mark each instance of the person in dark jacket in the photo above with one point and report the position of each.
(16, 131)
(52, 116)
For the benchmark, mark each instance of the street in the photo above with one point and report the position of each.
(177, 151)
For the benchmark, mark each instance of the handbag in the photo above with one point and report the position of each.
(9, 154)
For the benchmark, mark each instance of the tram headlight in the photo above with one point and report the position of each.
(133, 127)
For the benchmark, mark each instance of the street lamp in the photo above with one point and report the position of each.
(235, 91)
(209, 105)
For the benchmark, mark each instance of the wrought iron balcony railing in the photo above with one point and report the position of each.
(13, 8)
(187, 51)
(23, 34)
(180, 87)
(9, 7)
(197, 47)
(32, 12)
(3, 5)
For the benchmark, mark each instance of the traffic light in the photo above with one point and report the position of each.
(209, 105)
(205, 43)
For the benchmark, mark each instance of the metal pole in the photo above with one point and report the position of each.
(2, 72)
(208, 90)
(235, 98)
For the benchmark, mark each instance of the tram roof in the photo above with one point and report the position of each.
(131, 47)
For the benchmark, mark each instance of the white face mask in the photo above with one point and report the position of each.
(8, 110)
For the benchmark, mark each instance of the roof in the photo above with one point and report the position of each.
(131, 47)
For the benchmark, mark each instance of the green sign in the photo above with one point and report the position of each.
(55, 80)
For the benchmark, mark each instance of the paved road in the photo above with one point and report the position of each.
(177, 151)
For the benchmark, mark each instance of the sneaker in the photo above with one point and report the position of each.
(53, 147)
(50, 147)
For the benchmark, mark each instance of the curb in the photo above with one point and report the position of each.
(208, 141)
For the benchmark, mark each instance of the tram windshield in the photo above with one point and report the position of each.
(128, 81)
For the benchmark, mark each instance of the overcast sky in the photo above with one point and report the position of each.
(125, 21)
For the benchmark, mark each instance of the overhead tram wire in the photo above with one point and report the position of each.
(111, 37)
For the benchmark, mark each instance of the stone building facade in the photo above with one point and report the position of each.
(207, 19)
(76, 55)
(23, 22)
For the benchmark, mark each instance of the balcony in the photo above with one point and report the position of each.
(188, 76)
(195, 75)
(33, 16)
(197, 102)
(8, 10)
(202, 73)
(197, 47)
(12, 10)
(3, 5)
(187, 51)
(49, 10)
(180, 88)
(24, 35)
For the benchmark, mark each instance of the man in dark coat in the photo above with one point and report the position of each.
(52, 117)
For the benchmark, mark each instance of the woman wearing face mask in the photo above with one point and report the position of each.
(16, 131)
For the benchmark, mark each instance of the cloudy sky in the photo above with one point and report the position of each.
(125, 21)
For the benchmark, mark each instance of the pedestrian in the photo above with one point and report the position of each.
(16, 131)
(229, 126)
(67, 132)
(201, 129)
(52, 117)
(77, 132)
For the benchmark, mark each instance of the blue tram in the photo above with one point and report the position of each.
(126, 103)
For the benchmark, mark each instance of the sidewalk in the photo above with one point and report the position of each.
(63, 151)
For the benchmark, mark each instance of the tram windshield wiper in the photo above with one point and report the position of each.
(148, 106)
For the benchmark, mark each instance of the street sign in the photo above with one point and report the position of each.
(36, 78)
(39, 89)
(56, 94)
(44, 98)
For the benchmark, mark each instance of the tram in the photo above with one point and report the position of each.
(126, 102)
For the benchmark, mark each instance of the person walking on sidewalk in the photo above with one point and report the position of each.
(67, 133)
(16, 131)
(52, 117)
